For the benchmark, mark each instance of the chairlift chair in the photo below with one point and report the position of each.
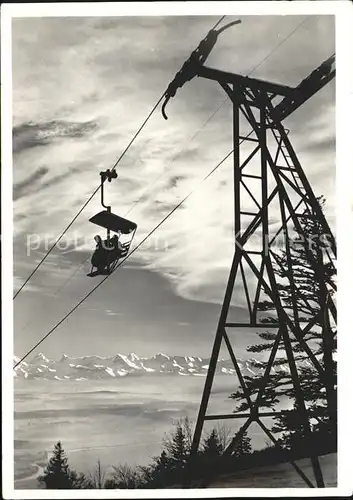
(108, 252)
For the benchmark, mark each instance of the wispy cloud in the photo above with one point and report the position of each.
(30, 135)
(20, 188)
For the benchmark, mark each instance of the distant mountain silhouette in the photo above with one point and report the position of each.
(121, 365)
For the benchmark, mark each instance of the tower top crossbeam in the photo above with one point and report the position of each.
(292, 97)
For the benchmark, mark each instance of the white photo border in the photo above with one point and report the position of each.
(343, 12)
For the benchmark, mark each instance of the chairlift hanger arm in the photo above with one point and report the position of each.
(107, 174)
(191, 67)
(307, 88)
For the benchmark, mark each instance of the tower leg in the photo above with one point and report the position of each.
(295, 337)
(214, 357)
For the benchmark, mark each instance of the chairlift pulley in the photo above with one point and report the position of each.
(197, 58)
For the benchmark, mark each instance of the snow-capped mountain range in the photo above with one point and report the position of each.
(120, 365)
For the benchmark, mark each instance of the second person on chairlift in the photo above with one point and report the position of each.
(106, 253)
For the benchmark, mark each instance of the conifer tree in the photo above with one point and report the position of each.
(309, 296)
(57, 474)
(160, 472)
(167, 468)
(212, 445)
(177, 446)
(162, 462)
(243, 447)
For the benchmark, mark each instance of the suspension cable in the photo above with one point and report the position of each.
(97, 189)
(88, 200)
(132, 251)
(123, 260)
(278, 45)
(153, 183)
(136, 202)
(219, 22)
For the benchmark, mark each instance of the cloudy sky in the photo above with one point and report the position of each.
(81, 88)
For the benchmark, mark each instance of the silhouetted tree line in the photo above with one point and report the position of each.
(171, 469)
(168, 470)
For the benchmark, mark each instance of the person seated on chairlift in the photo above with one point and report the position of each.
(98, 259)
(106, 252)
(115, 242)
(99, 242)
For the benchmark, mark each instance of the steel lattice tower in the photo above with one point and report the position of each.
(268, 175)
